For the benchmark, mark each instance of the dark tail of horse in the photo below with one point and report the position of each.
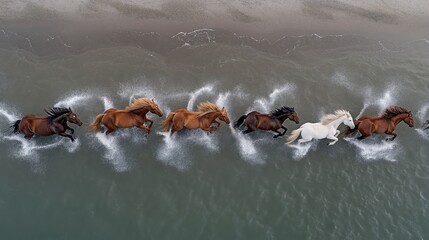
(240, 121)
(15, 126)
(349, 131)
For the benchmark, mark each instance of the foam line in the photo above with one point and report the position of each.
(194, 95)
(266, 104)
(376, 149)
(113, 152)
(301, 150)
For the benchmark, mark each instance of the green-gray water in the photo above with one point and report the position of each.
(222, 186)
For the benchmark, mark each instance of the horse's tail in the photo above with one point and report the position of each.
(166, 123)
(294, 136)
(15, 126)
(240, 121)
(95, 126)
(349, 131)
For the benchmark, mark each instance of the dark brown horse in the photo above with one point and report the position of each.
(54, 123)
(386, 123)
(273, 121)
(132, 116)
(204, 118)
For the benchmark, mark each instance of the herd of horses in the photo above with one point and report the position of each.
(206, 118)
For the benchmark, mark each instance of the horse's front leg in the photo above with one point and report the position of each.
(284, 129)
(69, 128)
(392, 138)
(332, 138)
(278, 134)
(150, 122)
(215, 128)
(146, 128)
(337, 133)
(66, 135)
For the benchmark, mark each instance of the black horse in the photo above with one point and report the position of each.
(273, 121)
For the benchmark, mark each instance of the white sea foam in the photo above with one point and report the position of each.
(376, 148)
(301, 150)
(113, 152)
(247, 148)
(423, 133)
(173, 153)
(207, 89)
(267, 104)
(422, 113)
(75, 99)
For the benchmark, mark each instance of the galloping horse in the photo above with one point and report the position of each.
(132, 116)
(204, 118)
(273, 121)
(326, 128)
(54, 123)
(386, 123)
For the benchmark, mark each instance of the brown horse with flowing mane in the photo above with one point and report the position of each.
(386, 123)
(204, 118)
(132, 116)
(54, 123)
(273, 121)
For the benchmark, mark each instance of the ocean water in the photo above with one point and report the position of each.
(220, 186)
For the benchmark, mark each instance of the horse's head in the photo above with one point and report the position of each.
(224, 116)
(73, 118)
(293, 117)
(409, 119)
(154, 108)
(348, 121)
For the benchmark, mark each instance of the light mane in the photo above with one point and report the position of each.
(206, 108)
(327, 119)
(138, 103)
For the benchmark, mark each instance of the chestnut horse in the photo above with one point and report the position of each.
(204, 118)
(273, 121)
(132, 116)
(54, 123)
(386, 123)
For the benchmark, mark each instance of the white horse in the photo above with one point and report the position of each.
(326, 128)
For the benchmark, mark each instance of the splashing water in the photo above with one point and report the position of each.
(376, 149)
(301, 150)
(113, 152)
(74, 100)
(172, 153)
(266, 104)
(246, 148)
(208, 89)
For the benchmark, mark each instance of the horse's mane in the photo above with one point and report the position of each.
(138, 103)
(54, 112)
(283, 110)
(332, 117)
(393, 111)
(206, 108)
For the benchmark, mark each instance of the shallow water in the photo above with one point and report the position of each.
(222, 186)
